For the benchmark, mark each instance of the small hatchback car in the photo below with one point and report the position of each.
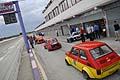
(52, 44)
(94, 59)
(39, 39)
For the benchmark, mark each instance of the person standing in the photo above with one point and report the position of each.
(31, 41)
(91, 33)
(57, 33)
(88, 31)
(117, 31)
(97, 31)
(82, 32)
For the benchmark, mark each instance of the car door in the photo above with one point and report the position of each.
(82, 60)
(74, 56)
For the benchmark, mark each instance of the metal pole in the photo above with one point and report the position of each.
(107, 26)
(22, 26)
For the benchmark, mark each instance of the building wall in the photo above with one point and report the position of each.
(113, 13)
(78, 8)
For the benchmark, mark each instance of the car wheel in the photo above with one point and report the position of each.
(49, 49)
(67, 62)
(45, 47)
(68, 40)
(85, 75)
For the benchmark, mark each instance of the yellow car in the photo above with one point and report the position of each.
(94, 59)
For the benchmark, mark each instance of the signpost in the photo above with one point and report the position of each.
(7, 7)
(8, 11)
(10, 18)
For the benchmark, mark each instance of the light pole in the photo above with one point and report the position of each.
(22, 25)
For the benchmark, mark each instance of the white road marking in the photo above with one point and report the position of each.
(40, 67)
(34, 65)
(3, 56)
(11, 47)
(7, 40)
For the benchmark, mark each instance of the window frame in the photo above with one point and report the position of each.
(84, 58)
(76, 50)
(101, 55)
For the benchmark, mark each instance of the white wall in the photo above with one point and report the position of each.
(76, 9)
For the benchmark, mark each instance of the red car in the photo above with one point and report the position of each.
(39, 39)
(52, 44)
(94, 59)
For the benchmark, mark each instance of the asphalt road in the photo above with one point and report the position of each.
(9, 58)
(56, 68)
(6, 45)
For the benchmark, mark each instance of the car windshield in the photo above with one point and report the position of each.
(76, 33)
(100, 51)
(53, 40)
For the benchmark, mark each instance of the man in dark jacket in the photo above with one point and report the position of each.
(31, 40)
(117, 30)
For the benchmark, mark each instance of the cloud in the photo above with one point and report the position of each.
(32, 15)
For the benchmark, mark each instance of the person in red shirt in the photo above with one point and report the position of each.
(82, 32)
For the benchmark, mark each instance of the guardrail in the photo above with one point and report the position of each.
(9, 65)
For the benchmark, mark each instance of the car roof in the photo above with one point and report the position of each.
(50, 39)
(88, 45)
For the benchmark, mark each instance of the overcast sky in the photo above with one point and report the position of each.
(32, 16)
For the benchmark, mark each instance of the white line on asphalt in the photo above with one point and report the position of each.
(7, 51)
(34, 65)
(2, 58)
(7, 40)
(40, 67)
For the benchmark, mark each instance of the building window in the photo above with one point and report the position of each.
(73, 2)
(63, 5)
(53, 13)
(56, 11)
(48, 16)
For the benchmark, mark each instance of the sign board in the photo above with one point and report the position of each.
(10, 18)
(6, 7)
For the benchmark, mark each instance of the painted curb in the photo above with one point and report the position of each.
(44, 76)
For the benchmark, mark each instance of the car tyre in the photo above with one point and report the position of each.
(45, 47)
(49, 49)
(68, 40)
(67, 62)
(86, 76)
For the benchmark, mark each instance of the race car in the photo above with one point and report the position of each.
(94, 59)
(52, 44)
(75, 36)
(39, 39)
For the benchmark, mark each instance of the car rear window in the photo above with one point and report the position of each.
(100, 51)
(54, 40)
(76, 33)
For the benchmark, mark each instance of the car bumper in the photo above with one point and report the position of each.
(108, 72)
(56, 47)
(40, 41)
